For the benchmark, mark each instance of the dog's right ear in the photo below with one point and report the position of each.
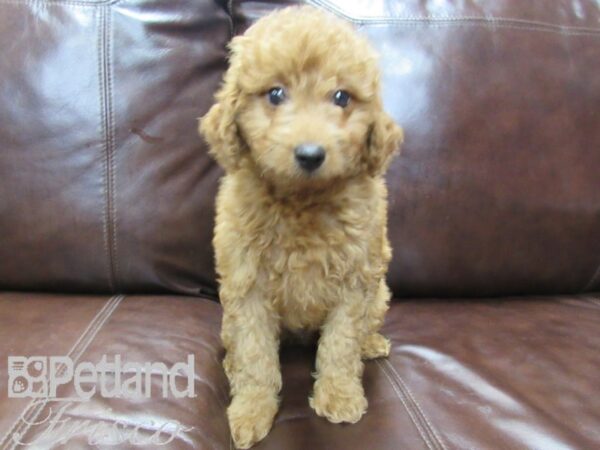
(220, 129)
(384, 139)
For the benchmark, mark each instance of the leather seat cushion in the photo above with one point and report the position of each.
(504, 373)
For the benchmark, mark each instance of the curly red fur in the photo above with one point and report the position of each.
(300, 251)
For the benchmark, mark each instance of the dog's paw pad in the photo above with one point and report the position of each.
(250, 417)
(375, 346)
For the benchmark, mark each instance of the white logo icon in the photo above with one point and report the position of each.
(27, 376)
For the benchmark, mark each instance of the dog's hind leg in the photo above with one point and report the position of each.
(374, 344)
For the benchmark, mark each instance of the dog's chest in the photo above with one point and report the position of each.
(308, 260)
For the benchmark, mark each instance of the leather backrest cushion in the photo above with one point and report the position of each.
(497, 188)
(105, 185)
(104, 182)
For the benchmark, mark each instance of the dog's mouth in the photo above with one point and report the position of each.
(298, 182)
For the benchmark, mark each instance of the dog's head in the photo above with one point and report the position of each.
(300, 103)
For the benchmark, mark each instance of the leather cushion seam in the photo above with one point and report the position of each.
(405, 387)
(98, 3)
(424, 436)
(104, 158)
(488, 21)
(107, 124)
(111, 145)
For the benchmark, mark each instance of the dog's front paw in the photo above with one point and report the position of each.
(250, 415)
(339, 400)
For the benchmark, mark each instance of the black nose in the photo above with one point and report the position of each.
(309, 156)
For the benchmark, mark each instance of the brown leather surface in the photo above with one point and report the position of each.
(105, 185)
(505, 373)
(38, 325)
(140, 329)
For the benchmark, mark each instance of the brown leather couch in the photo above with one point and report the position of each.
(106, 213)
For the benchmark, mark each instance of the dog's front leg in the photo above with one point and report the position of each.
(250, 334)
(338, 393)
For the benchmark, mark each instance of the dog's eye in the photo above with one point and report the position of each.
(341, 98)
(276, 95)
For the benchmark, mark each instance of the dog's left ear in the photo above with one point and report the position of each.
(384, 140)
(220, 130)
(219, 126)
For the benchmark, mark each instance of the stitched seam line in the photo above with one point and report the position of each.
(82, 341)
(59, 2)
(418, 415)
(105, 234)
(496, 21)
(590, 284)
(405, 387)
(107, 160)
(492, 27)
(404, 401)
(111, 144)
(231, 22)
